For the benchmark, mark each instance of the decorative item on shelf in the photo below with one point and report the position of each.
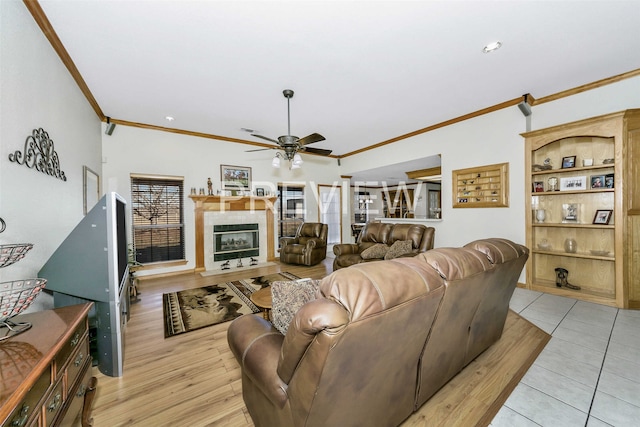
(260, 192)
(202, 191)
(608, 180)
(545, 166)
(568, 162)
(597, 181)
(573, 183)
(209, 187)
(538, 186)
(607, 161)
(599, 252)
(540, 215)
(193, 191)
(239, 264)
(552, 184)
(253, 261)
(236, 178)
(603, 216)
(587, 162)
(569, 212)
(544, 245)
(562, 279)
(570, 245)
(225, 266)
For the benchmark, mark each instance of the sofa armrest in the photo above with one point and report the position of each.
(256, 345)
(284, 241)
(316, 242)
(345, 248)
(312, 318)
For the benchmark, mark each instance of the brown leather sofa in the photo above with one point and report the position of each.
(380, 339)
(347, 254)
(308, 247)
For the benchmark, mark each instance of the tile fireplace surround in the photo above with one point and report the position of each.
(210, 210)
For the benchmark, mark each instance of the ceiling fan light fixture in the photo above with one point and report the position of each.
(276, 161)
(294, 166)
(297, 160)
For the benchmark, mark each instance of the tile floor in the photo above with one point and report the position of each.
(589, 372)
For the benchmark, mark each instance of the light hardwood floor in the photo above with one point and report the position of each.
(193, 379)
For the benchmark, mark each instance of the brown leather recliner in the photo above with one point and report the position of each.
(308, 247)
(347, 254)
(380, 339)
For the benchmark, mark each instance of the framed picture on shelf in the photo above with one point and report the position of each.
(236, 178)
(260, 192)
(538, 187)
(603, 216)
(597, 181)
(608, 180)
(569, 212)
(568, 162)
(573, 183)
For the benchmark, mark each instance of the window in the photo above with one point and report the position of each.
(330, 214)
(158, 218)
(291, 209)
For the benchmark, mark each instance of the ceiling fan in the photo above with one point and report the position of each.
(290, 144)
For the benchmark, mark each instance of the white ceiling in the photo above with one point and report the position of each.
(363, 72)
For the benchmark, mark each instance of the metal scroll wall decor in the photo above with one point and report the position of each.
(39, 154)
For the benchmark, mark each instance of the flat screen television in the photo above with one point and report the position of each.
(92, 262)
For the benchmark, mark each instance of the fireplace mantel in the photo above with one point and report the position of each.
(230, 203)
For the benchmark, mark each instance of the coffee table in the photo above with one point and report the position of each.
(262, 299)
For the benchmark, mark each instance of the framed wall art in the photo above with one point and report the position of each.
(90, 189)
(236, 178)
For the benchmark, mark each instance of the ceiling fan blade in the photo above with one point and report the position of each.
(310, 139)
(319, 151)
(262, 149)
(264, 137)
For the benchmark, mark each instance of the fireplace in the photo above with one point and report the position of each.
(234, 241)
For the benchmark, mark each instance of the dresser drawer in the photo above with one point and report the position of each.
(71, 345)
(77, 362)
(53, 403)
(24, 410)
(76, 399)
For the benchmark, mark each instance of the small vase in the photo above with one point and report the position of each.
(570, 246)
(540, 215)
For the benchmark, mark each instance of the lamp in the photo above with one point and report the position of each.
(297, 160)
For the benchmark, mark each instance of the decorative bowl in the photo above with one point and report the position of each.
(544, 245)
(13, 253)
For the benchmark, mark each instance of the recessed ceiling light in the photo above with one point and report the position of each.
(491, 47)
(169, 118)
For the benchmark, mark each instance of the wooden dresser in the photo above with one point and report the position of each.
(45, 372)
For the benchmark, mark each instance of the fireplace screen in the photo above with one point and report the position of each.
(235, 241)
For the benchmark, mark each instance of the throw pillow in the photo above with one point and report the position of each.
(399, 248)
(377, 251)
(287, 298)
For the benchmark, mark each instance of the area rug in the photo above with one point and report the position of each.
(192, 309)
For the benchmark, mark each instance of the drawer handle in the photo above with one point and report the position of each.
(75, 340)
(19, 422)
(81, 391)
(78, 360)
(55, 403)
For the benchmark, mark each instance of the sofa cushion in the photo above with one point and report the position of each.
(286, 299)
(377, 251)
(399, 248)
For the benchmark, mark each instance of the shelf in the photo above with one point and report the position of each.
(570, 255)
(584, 293)
(562, 193)
(576, 169)
(573, 225)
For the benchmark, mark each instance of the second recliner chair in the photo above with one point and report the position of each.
(308, 247)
